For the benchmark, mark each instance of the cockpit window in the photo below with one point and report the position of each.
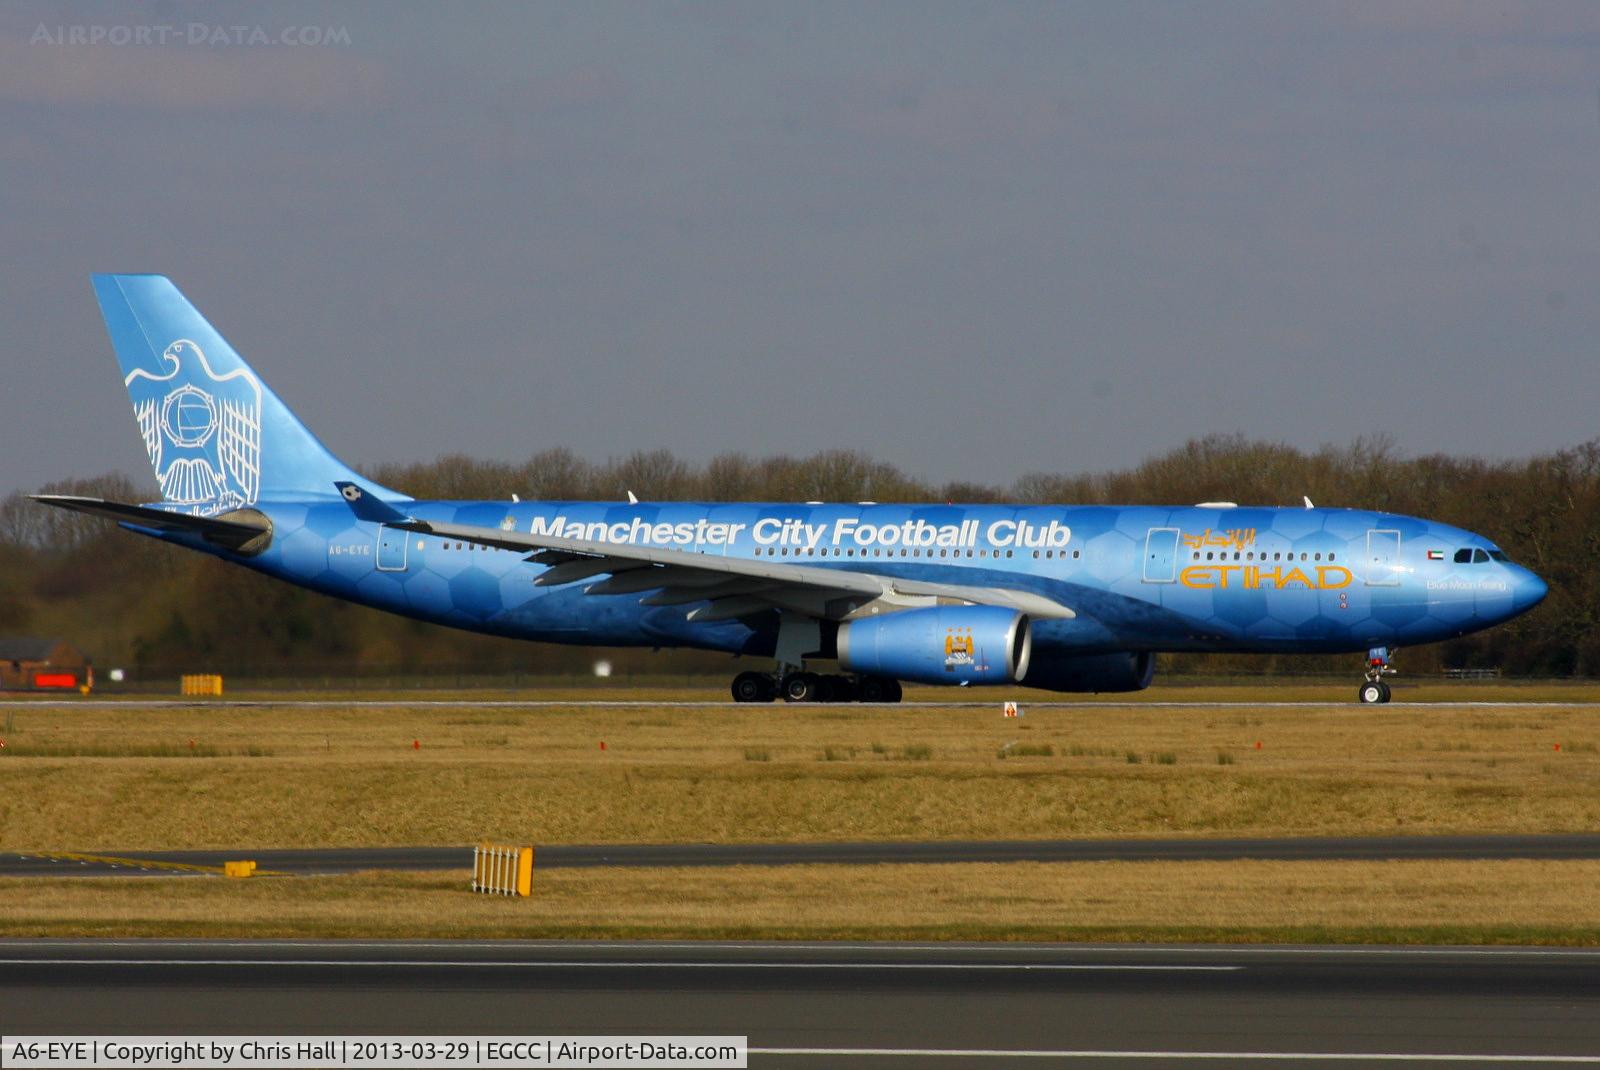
(1463, 556)
(1499, 555)
(1479, 557)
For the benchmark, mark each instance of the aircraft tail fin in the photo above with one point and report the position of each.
(217, 436)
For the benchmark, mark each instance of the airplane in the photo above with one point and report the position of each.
(1064, 598)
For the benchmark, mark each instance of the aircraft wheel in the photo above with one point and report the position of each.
(839, 689)
(873, 689)
(752, 687)
(1385, 687)
(801, 687)
(1373, 692)
(895, 692)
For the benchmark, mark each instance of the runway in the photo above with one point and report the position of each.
(139, 703)
(824, 1005)
(312, 861)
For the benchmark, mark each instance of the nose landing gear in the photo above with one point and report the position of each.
(1375, 690)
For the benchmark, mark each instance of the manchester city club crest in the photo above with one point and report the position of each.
(202, 430)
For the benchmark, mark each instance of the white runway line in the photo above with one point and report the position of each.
(1231, 1056)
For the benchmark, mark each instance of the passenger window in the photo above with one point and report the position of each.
(1463, 556)
(1076, 554)
(1479, 557)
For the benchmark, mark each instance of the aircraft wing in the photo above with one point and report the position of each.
(235, 531)
(734, 586)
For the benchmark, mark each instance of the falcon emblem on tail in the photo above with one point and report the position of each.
(202, 430)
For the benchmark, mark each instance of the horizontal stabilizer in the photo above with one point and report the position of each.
(243, 531)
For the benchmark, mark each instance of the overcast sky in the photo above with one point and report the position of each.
(973, 240)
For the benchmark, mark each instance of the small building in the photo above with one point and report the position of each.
(43, 664)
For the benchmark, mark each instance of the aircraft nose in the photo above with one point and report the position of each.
(1527, 590)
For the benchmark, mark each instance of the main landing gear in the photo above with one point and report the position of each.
(1375, 690)
(805, 686)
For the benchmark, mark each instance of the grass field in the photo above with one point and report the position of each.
(1291, 902)
(112, 778)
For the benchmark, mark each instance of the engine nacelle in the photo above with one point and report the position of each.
(1126, 671)
(940, 645)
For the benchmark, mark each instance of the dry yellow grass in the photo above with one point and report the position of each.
(122, 778)
(1442, 902)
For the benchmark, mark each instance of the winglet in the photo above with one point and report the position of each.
(368, 506)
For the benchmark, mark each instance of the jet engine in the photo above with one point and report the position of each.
(1123, 671)
(940, 645)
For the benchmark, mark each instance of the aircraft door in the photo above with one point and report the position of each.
(1383, 558)
(391, 549)
(1161, 555)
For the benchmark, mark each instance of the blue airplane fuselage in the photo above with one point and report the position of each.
(1140, 578)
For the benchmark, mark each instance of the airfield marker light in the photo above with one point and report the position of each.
(1558, 746)
(1258, 744)
(602, 744)
(191, 744)
(416, 744)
